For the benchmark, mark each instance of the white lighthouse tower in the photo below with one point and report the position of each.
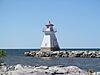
(49, 42)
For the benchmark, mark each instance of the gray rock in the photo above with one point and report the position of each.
(18, 67)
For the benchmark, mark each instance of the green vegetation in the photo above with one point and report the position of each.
(2, 53)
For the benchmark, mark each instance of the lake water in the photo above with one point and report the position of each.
(16, 56)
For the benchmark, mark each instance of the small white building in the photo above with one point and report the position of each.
(49, 42)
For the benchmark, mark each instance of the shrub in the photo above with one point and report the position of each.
(2, 53)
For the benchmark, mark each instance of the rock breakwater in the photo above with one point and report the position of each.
(83, 54)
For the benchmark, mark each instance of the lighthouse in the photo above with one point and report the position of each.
(49, 42)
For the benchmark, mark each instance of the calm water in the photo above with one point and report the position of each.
(16, 56)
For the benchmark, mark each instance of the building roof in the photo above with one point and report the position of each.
(49, 24)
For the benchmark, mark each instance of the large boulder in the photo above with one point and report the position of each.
(18, 67)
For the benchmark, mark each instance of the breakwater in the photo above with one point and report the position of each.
(83, 54)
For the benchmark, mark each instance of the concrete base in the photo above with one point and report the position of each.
(50, 49)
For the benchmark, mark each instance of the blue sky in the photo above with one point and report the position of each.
(77, 22)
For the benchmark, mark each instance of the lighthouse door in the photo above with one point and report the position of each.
(46, 44)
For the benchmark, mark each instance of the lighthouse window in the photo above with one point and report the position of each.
(46, 44)
(47, 26)
(51, 29)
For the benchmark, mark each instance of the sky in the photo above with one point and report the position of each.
(77, 22)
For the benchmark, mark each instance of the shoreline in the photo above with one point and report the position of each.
(44, 70)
